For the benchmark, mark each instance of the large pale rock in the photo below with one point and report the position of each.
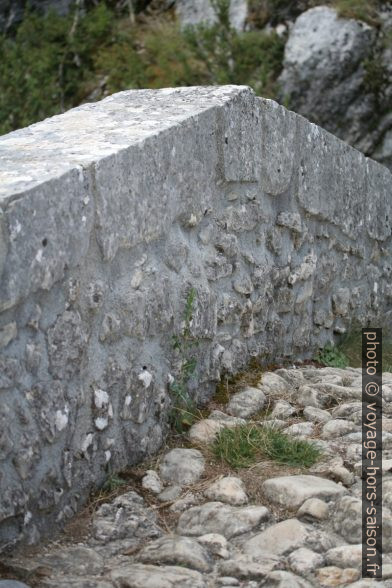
(303, 430)
(313, 509)
(347, 410)
(347, 521)
(205, 431)
(304, 560)
(345, 556)
(215, 517)
(336, 428)
(182, 466)
(247, 567)
(284, 537)
(149, 576)
(317, 415)
(180, 551)
(230, 490)
(246, 403)
(273, 384)
(292, 491)
(323, 74)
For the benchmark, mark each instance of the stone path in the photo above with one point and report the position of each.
(193, 523)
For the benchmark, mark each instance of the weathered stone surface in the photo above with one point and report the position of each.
(313, 509)
(282, 410)
(316, 415)
(177, 551)
(152, 482)
(325, 71)
(337, 428)
(110, 214)
(182, 466)
(246, 403)
(284, 537)
(205, 431)
(273, 384)
(215, 517)
(230, 490)
(300, 430)
(148, 576)
(304, 560)
(247, 567)
(346, 556)
(292, 491)
(126, 516)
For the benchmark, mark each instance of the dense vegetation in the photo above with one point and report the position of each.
(52, 63)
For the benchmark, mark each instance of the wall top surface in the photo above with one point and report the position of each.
(91, 132)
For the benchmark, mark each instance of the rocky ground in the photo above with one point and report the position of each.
(188, 520)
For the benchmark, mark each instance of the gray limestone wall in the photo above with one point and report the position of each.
(110, 214)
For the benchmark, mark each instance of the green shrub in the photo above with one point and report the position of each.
(333, 357)
(43, 69)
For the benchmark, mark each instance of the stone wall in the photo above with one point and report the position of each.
(110, 214)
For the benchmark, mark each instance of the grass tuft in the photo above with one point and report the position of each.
(244, 446)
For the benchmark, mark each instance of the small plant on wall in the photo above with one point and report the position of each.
(184, 411)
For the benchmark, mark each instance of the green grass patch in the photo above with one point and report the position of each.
(246, 445)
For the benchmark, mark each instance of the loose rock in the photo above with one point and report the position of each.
(230, 490)
(182, 466)
(215, 517)
(177, 551)
(292, 491)
(246, 403)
